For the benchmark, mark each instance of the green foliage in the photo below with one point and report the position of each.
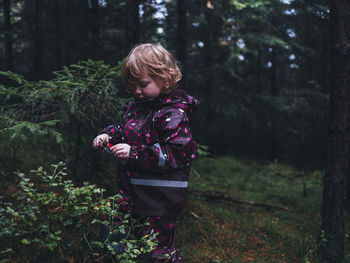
(50, 217)
(23, 130)
(202, 150)
(67, 110)
(83, 92)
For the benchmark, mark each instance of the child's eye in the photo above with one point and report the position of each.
(143, 84)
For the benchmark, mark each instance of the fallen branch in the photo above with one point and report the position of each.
(222, 196)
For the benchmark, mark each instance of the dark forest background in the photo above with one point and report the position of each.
(272, 77)
(259, 68)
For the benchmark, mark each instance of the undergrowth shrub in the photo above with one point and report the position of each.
(49, 219)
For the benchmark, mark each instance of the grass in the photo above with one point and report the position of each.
(222, 231)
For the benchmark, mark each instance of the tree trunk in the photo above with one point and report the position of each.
(181, 38)
(258, 113)
(8, 35)
(95, 29)
(38, 53)
(332, 226)
(76, 160)
(133, 22)
(58, 33)
(274, 93)
(208, 52)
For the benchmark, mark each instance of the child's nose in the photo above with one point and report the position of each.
(138, 90)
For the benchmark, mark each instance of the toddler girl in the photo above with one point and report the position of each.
(155, 141)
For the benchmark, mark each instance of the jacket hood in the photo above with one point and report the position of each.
(177, 98)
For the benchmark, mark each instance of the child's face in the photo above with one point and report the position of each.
(147, 87)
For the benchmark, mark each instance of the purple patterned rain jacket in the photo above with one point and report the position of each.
(155, 177)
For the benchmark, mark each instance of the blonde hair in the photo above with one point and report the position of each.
(153, 59)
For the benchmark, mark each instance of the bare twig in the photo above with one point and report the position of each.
(216, 195)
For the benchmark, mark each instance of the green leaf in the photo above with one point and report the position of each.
(122, 230)
(25, 241)
(238, 4)
(54, 237)
(68, 222)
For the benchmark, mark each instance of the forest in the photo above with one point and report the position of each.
(269, 183)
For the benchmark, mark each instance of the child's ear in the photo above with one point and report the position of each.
(166, 84)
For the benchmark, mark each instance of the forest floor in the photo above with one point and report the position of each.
(224, 231)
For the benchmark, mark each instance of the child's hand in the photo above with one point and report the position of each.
(100, 140)
(121, 150)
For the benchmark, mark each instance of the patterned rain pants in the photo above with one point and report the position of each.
(166, 234)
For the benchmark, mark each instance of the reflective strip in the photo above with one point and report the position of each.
(161, 183)
(161, 161)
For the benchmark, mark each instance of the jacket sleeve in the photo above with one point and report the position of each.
(116, 131)
(175, 148)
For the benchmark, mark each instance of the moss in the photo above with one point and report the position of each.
(222, 231)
